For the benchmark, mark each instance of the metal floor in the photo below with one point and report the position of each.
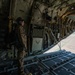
(68, 44)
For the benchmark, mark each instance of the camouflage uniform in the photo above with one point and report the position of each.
(23, 36)
(21, 46)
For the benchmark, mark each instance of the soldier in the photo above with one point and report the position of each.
(21, 43)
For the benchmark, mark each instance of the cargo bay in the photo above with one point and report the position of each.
(48, 22)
